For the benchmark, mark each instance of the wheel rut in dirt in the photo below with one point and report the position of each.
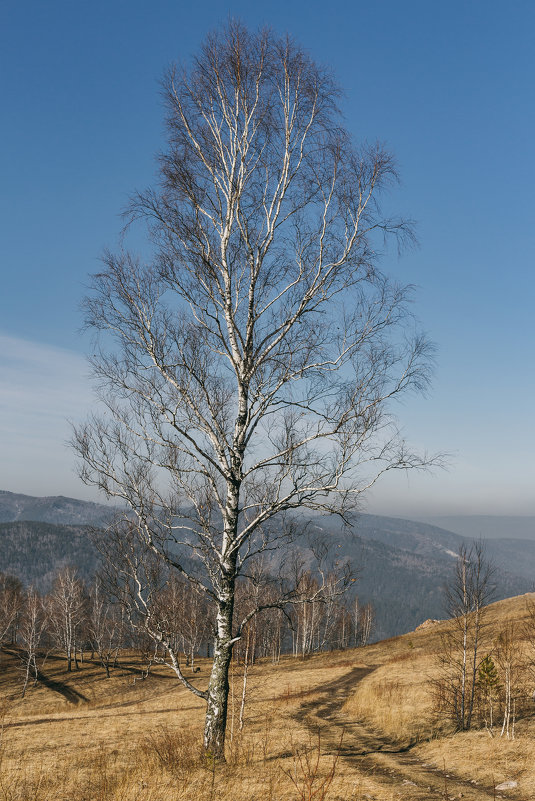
(388, 763)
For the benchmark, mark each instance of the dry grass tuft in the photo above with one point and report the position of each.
(396, 699)
(289, 695)
(177, 752)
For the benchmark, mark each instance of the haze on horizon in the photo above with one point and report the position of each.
(445, 87)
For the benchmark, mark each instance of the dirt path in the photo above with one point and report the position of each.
(393, 767)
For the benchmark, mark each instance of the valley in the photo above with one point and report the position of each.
(401, 566)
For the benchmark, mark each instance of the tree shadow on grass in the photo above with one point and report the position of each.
(70, 695)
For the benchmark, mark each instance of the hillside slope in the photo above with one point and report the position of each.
(362, 718)
(399, 700)
(402, 565)
(35, 551)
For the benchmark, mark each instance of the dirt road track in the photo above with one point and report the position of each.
(394, 767)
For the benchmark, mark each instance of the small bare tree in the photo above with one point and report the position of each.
(32, 627)
(363, 630)
(104, 627)
(528, 634)
(258, 351)
(470, 590)
(67, 608)
(510, 663)
(361, 621)
(11, 602)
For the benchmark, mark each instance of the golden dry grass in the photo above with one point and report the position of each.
(126, 741)
(396, 699)
(141, 742)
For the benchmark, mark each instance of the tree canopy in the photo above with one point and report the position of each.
(256, 356)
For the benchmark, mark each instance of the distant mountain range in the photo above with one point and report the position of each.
(519, 527)
(402, 565)
(55, 509)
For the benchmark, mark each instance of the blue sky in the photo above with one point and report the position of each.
(448, 87)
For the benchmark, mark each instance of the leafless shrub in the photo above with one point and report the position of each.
(309, 775)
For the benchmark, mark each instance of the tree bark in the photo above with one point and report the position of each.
(218, 687)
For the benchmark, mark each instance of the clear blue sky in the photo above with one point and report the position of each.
(449, 88)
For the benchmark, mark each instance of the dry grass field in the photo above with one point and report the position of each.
(346, 725)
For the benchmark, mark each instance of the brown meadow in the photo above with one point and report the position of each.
(356, 724)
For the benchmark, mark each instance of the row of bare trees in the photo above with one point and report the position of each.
(71, 618)
(501, 690)
(321, 622)
(75, 619)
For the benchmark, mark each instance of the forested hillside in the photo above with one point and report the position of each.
(402, 566)
(35, 551)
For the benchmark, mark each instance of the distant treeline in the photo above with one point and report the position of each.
(86, 620)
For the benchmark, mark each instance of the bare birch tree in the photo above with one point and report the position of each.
(104, 627)
(528, 634)
(258, 351)
(67, 608)
(11, 602)
(510, 664)
(362, 623)
(469, 592)
(32, 628)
